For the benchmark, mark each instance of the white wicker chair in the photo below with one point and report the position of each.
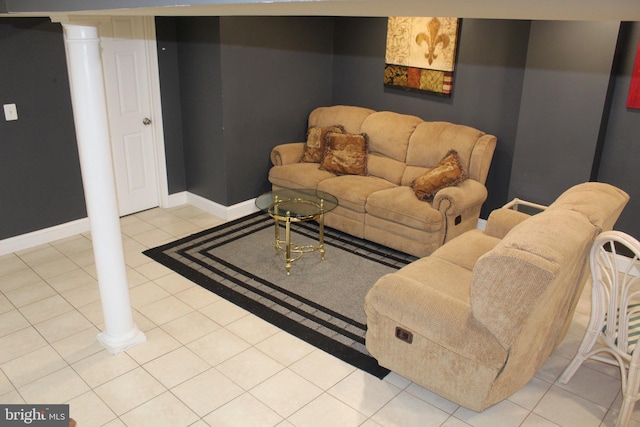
(614, 326)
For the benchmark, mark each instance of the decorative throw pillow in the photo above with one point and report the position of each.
(446, 173)
(314, 148)
(345, 154)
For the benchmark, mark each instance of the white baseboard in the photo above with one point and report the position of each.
(46, 235)
(61, 231)
(226, 212)
(176, 199)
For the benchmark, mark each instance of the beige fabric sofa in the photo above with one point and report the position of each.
(485, 311)
(381, 206)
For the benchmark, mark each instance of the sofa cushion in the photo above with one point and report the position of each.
(456, 280)
(447, 173)
(411, 173)
(345, 154)
(432, 140)
(314, 148)
(389, 133)
(353, 190)
(385, 167)
(298, 175)
(400, 205)
(465, 250)
(350, 117)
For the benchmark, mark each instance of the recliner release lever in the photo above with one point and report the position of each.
(404, 335)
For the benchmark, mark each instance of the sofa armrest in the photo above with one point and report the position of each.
(481, 158)
(454, 200)
(425, 311)
(285, 154)
(502, 220)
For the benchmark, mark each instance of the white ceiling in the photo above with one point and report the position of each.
(582, 10)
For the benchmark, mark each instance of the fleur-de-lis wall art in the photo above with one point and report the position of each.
(432, 38)
(421, 53)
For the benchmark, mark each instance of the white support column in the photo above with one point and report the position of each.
(88, 98)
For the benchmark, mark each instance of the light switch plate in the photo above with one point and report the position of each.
(10, 112)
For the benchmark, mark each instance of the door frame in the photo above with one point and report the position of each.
(155, 101)
(153, 68)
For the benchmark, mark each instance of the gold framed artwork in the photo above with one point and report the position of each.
(421, 53)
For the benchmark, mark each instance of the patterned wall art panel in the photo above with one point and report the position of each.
(421, 53)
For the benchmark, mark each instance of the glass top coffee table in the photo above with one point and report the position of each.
(296, 205)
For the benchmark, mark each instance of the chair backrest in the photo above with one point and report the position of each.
(532, 275)
(615, 272)
(547, 248)
(602, 203)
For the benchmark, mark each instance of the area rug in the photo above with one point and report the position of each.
(321, 302)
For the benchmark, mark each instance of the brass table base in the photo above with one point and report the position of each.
(296, 205)
(293, 252)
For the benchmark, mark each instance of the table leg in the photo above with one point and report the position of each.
(277, 235)
(287, 255)
(321, 236)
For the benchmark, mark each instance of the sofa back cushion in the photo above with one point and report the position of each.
(581, 197)
(432, 140)
(402, 146)
(385, 167)
(389, 135)
(350, 117)
(541, 259)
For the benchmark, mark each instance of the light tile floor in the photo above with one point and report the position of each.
(207, 362)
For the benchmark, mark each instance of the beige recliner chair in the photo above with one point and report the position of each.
(475, 320)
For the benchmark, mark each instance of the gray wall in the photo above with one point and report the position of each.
(275, 71)
(563, 101)
(39, 165)
(171, 106)
(620, 163)
(201, 110)
(486, 89)
(234, 87)
(245, 85)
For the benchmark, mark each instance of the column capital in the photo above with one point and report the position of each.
(78, 27)
(80, 32)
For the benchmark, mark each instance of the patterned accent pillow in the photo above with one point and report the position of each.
(314, 148)
(446, 173)
(345, 154)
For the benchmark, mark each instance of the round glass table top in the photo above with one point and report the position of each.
(296, 203)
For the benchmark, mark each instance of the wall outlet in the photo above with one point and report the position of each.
(10, 112)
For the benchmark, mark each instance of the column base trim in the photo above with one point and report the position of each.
(116, 345)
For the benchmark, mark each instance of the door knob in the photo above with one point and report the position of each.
(146, 121)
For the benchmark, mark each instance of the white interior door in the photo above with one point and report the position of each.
(127, 81)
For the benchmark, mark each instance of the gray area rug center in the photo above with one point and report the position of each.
(321, 302)
(339, 283)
